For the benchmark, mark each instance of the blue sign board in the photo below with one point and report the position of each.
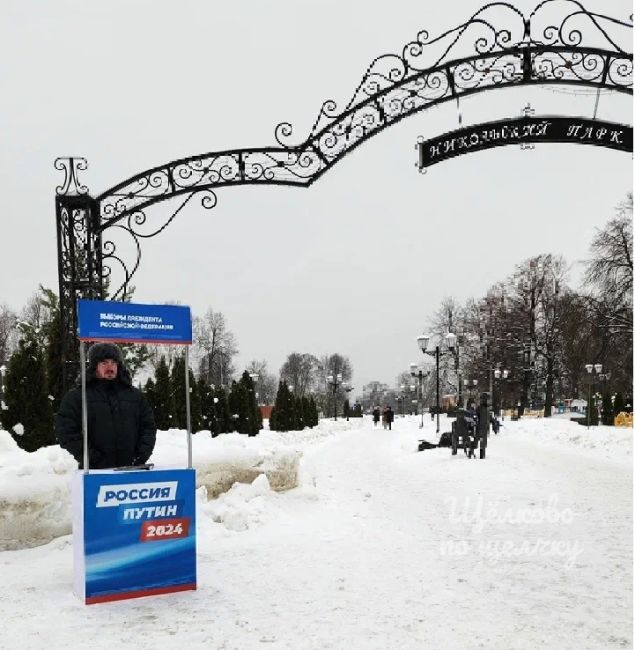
(134, 533)
(103, 320)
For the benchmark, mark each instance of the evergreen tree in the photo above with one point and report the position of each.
(314, 412)
(273, 420)
(607, 409)
(149, 390)
(593, 411)
(298, 412)
(307, 415)
(177, 388)
(234, 403)
(242, 403)
(26, 397)
(254, 418)
(206, 397)
(195, 403)
(222, 418)
(164, 402)
(52, 331)
(284, 413)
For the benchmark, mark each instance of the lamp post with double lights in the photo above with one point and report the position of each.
(334, 381)
(594, 371)
(450, 340)
(417, 373)
(401, 399)
(498, 375)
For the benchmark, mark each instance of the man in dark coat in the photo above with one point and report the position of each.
(121, 428)
(390, 417)
(376, 416)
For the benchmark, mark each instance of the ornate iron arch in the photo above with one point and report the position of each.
(544, 48)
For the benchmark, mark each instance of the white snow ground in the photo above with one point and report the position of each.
(378, 548)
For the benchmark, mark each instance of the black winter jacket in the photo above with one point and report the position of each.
(121, 428)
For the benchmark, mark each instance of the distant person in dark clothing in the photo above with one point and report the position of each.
(376, 416)
(390, 416)
(471, 418)
(121, 428)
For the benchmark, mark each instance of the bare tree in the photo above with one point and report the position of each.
(8, 333)
(332, 364)
(215, 348)
(300, 371)
(266, 384)
(460, 320)
(549, 341)
(38, 313)
(577, 340)
(410, 390)
(610, 269)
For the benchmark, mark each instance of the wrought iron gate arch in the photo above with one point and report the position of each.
(395, 86)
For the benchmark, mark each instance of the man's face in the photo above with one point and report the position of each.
(106, 369)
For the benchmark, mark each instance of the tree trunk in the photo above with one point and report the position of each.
(549, 387)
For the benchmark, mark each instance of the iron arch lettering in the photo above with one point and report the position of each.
(522, 131)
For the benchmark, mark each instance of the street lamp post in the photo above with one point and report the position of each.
(450, 339)
(334, 381)
(500, 374)
(593, 371)
(418, 373)
(254, 378)
(348, 389)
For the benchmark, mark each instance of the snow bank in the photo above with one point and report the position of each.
(35, 499)
(34, 494)
(615, 443)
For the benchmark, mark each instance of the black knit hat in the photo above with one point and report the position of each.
(102, 351)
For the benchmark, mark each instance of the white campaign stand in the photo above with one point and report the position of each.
(134, 533)
(134, 530)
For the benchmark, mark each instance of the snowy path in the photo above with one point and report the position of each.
(358, 558)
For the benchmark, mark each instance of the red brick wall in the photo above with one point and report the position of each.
(265, 411)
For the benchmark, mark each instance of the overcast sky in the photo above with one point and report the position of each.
(357, 263)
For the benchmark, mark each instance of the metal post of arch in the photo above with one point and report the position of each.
(559, 43)
(79, 258)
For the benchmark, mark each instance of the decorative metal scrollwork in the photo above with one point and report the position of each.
(71, 168)
(488, 50)
(559, 42)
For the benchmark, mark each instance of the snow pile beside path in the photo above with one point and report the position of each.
(35, 499)
(241, 507)
(34, 494)
(235, 458)
(611, 442)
